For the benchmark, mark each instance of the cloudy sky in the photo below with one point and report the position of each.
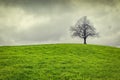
(49, 21)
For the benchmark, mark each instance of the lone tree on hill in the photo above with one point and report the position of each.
(83, 29)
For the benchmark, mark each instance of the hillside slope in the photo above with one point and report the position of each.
(59, 62)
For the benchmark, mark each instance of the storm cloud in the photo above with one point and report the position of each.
(49, 21)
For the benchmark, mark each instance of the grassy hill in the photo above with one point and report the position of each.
(59, 62)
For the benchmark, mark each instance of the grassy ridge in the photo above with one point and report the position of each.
(59, 62)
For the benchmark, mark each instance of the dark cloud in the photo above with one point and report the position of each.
(53, 6)
(28, 2)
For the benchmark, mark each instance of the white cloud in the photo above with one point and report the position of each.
(20, 19)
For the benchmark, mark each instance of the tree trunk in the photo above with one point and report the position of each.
(85, 41)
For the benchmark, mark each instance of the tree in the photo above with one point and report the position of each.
(83, 29)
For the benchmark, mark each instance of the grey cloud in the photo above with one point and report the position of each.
(52, 31)
(43, 33)
(49, 20)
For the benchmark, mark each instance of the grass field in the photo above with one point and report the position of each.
(59, 62)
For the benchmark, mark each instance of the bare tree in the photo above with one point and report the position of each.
(83, 29)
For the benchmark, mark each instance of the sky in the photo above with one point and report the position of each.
(49, 21)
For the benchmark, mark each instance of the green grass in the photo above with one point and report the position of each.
(59, 62)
